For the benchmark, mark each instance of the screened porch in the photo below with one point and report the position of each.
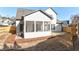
(37, 26)
(34, 29)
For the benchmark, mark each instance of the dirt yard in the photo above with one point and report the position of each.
(63, 42)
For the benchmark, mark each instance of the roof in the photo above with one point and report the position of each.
(26, 12)
(22, 12)
(63, 22)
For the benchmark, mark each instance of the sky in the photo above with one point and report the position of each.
(64, 13)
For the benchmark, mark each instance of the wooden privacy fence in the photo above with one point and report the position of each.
(9, 29)
(70, 29)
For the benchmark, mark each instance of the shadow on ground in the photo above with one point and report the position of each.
(60, 43)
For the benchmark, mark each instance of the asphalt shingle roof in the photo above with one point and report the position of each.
(23, 12)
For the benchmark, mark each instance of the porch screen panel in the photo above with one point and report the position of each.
(46, 26)
(29, 26)
(39, 26)
(52, 26)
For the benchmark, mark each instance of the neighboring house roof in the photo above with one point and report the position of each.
(23, 12)
(6, 21)
(63, 22)
(59, 22)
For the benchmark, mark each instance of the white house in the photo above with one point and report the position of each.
(6, 21)
(32, 24)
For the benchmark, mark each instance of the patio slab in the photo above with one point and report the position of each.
(58, 33)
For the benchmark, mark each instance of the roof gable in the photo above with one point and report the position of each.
(37, 16)
(41, 12)
(53, 10)
(50, 11)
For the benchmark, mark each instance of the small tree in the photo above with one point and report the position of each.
(75, 19)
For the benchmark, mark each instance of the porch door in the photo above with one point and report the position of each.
(21, 30)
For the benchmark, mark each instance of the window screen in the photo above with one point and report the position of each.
(46, 26)
(29, 26)
(39, 26)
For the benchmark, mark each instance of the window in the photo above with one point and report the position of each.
(29, 26)
(46, 26)
(39, 26)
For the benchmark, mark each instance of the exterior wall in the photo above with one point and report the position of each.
(53, 14)
(36, 34)
(38, 16)
(17, 27)
(58, 27)
(17, 22)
